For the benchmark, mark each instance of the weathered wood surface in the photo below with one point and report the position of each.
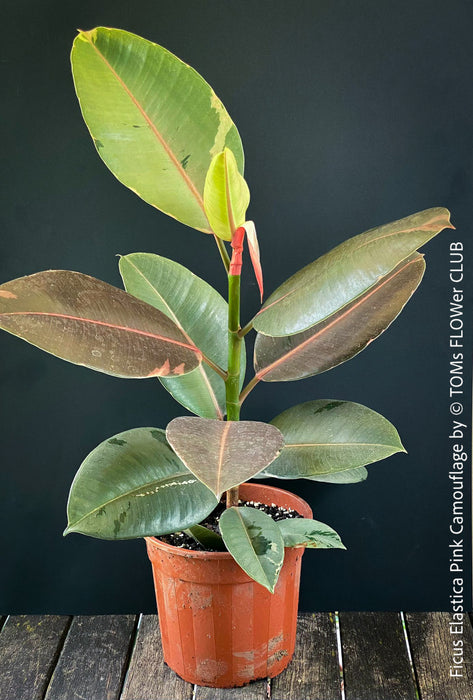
(314, 672)
(29, 649)
(375, 658)
(94, 658)
(259, 690)
(148, 677)
(442, 646)
(110, 658)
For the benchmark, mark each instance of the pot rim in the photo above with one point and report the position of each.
(156, 543)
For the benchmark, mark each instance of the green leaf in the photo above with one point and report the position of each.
(226, 195)
(344, 334)
(201, 314)
(327, 437)
(324, 287)
(224, 454)
(88, 322)
(154, 120)
(206, 537)
(303, 532)
(255, 542)
(349, 476)
(133, 485)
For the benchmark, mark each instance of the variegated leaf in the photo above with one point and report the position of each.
(326, 286)
(344, 334)
(224, 454)
(88, 322)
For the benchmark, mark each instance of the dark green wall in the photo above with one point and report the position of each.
(352, 114)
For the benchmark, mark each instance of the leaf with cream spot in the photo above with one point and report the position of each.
(134, 485)
(255, 541)
(305, 532)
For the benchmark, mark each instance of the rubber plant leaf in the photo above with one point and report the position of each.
(206, 537)
(224, 454)
(88, 322)
(255, 541)
(349, 476)
(338, 278)
(134, 485)
(326, 437)
(304, 532)
(202, 315)
(344, 334)
(226, 195)
(154, 120)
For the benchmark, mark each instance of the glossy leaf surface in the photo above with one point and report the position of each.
(324, 437)
(349, 476)
(88, 322)
(224, 454)
(133, 485)
(344, 334)
(154, 120)
(255, 542)
(226, 195)
(323, 288)
(201, 314)
(304, 532)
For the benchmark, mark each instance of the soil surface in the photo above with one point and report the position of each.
(181, 539)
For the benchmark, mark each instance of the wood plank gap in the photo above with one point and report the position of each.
(58, 652)
(93, 659)
(409, 654)
(29, 649)
(314, 672)
(340, 654)
(442, 650)
(375, 657)
(129, 653)
(148, 677)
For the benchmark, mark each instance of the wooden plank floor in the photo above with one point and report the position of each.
(350, 656)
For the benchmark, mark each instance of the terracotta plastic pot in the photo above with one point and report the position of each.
(220, 628)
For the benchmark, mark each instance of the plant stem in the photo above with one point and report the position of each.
(232, 383)
(215, 367)
(246, 329)
(249, 387)
(223, 252)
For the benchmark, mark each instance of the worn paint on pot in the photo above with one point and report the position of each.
(220, 628)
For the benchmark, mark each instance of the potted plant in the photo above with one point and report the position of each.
(225, 553)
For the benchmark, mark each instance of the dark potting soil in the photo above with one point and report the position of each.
(184, 541)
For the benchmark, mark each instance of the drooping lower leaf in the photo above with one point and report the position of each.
(349, 476)
(224, 454)
(202, 315)
(209, 539)
(255, 541)
(88, 322)
(341, 336)
(154, 120)
(326, 286)
(304, 532)
(328, 437)
(134, 485)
